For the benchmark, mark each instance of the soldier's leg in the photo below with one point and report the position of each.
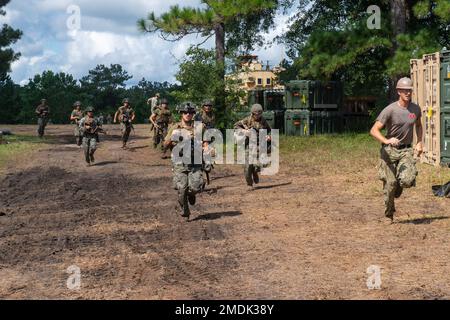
(92, 148)
(387, 174)
(180, 183)
(126, 134)
(406, 169)
(195, 183)
(40, 127)
(248, 169)
(155, 138)
(86, 149)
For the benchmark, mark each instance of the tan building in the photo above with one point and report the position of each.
(254, 75)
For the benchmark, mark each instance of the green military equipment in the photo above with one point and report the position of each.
(274, 108)
(297, 122)
(445, 107)
(313, 95)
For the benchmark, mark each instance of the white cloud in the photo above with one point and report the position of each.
(108, 35)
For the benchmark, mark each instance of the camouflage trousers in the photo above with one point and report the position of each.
(89, 146)
(42, 122)
(126, 130)
(187, 179)
(77, 132)
(158, 135)
(397, 169)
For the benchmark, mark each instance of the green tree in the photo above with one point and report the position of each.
(234, 24)
(60, 90)
(105, 86)
(199, 81)
(10, 101)
(8, 36)
(331, 40)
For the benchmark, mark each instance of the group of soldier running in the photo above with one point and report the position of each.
(397, 166)
(188, 178)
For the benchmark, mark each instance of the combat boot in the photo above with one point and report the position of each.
(398, 191)
(184, 206)
(249, 176)
(191, 198)
(92, 157)
(255, 177)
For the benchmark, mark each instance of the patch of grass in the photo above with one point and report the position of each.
(17, 145)
(340, 152)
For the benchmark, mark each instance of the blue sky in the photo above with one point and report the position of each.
(108, 34)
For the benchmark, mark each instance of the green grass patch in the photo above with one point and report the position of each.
(340, 152)
(17, 145)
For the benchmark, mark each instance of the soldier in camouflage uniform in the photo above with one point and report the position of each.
(90, 128)
(126, 116)
(161, 119)
(187, 177)
(154, 103)
(397, 166)
(42, 112)
(257, 122)
(207, 115)
(208, 118)
(75, 118)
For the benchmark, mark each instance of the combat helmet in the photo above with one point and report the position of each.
(207, 102)
(89, 109)
(77, 104)
(405, 83)
(187, 107)
(257, 108)
(126, 100)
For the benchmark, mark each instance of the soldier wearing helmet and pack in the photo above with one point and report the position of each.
(90, 127)
(256, 122)
(207, 115)
(161, 119)
(154, 103)
(42, 111)
(126, 116)
(397, 166)
(75, 118)
(187, 174)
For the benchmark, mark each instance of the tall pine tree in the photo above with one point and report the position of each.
(8, 36)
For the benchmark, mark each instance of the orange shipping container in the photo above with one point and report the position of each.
(425, 74)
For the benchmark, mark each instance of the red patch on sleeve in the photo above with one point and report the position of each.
(412, 116)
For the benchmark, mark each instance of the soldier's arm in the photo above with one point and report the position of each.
(37, 111)
(419, 132)
(376, 133)
(153, 119)
(115, 116)
(133, 116)
(168, 143)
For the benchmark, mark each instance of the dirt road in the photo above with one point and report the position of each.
(302, 234)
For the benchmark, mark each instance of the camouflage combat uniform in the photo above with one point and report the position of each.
(78, 114)
(125, 115)
(208, 119)
(187, 178)
(251, 170)
(397, 166)
(42, 112)
(163, 119)
(89, 128)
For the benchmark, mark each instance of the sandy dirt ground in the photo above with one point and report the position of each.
(304, 233)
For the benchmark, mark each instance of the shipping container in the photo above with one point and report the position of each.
(313, 95)
(297, 122)
(431, 92)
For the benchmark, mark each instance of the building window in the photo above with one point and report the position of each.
(268, 81)
(259, 81)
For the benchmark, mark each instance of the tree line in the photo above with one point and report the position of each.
(103, 88)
